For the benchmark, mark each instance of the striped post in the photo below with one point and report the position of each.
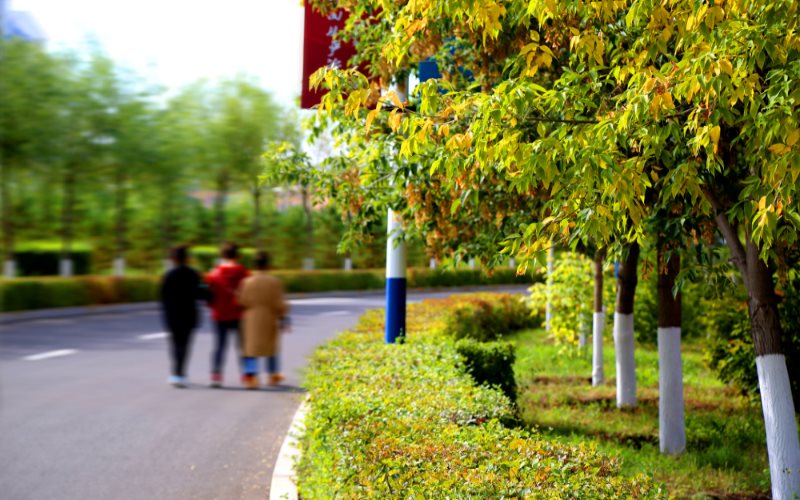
(395, 281)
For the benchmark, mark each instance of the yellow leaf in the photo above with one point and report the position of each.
(371, 116)
(778, 149)
(726, 67)
(714, 134)
(762, 203)
(394, 120)
(395, 99)
(649, 84)
(793, 137)
(444, 130)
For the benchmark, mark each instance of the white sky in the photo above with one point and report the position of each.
(175, 42)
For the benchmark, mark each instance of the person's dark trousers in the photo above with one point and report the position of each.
(218, 355)
(179, 347)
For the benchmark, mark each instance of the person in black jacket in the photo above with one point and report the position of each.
(181, 287)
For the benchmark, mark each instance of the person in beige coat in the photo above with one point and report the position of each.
(265, 316)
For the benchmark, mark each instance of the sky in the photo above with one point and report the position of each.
(176, 42)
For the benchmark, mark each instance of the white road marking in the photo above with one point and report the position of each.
(152, 336)
(50, 354)
(335, 313)
(54, 321)
(322, 301)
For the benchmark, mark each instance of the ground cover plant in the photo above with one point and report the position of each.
(406, 421)
(725, 455)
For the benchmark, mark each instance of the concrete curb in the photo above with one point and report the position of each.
(284, 482)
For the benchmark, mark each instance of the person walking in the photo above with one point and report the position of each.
(224, 283)
(180, 289)
(265, 315)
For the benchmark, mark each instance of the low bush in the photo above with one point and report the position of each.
(22, 294)
(47, 292)
(489, 317)
(42, 258)
(490, 363)
(404, 421)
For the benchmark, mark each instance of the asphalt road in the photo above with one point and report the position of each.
(86, 413)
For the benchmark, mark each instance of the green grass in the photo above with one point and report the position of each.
(726, 450)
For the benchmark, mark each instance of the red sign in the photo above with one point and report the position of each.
(321, 48)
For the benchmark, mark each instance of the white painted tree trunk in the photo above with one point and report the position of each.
(10, 268)
(779, 419)
(598, 324)
(432, 263)
(308, 264)
(671, 429)
(65, 268)
(119, 266)
(472, 263)
(582, 333)
(348, 264)
(626, 365)
(512, 263)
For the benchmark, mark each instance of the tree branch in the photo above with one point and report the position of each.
(729, 232)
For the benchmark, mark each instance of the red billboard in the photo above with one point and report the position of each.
(321, 48)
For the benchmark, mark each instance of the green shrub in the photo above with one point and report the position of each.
(490, 363)
(326, 281)
(47, 292)
(403, 421)
(486, 317)
(22, 294)
(42, 258)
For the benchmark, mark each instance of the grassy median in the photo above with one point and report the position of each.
(726, 451)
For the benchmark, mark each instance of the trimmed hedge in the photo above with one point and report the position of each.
(485, 317)
(48, 292)
(490, 363)
(406, 421)
(43, 258)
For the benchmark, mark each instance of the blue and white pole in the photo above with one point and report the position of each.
(395, 281)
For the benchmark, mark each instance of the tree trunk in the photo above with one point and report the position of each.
(67, 220)
(773, 378)
(219, 205)
(783, 447)
(121, 222)
(598, 321)
(308, 262)
(623, 330)
(8, 221)
(671, 429)
(166, 227)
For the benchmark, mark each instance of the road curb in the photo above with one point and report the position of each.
(284, 482)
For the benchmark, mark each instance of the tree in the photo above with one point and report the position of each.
(29, 87)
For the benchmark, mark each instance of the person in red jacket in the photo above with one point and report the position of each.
(223, 282)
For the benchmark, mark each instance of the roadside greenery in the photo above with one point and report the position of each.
(407, 421)
(49, 292)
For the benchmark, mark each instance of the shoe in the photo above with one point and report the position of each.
(250, 381)
(216, 380)
(176, 381)
(275, 378)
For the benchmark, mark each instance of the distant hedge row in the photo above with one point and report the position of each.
(21, 294)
